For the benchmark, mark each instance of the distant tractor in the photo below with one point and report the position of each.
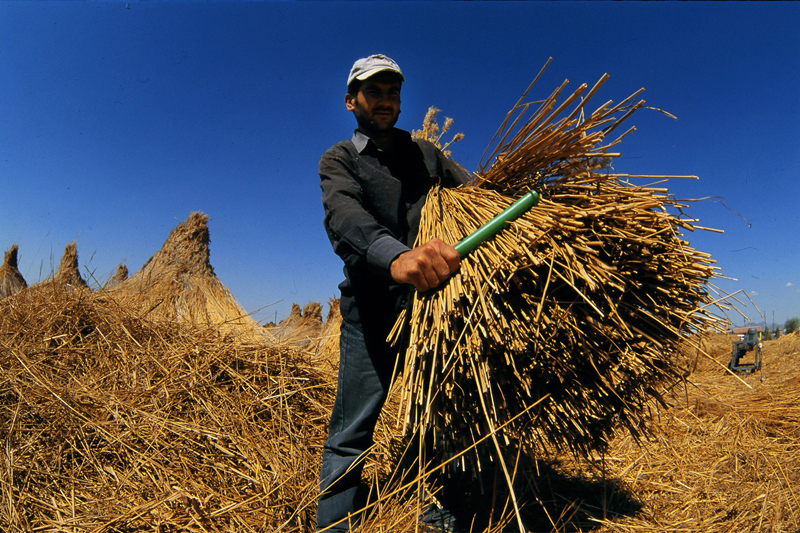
(750, 341)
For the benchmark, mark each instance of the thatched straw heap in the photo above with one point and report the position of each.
(328, 343)
(178, 284)
(68, 272)
(568, 324)
(301, 328)
(67, 278)
(11, 281)
(119, 276)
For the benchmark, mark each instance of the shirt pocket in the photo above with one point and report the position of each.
(384, 194)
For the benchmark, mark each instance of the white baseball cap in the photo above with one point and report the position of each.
(368, 66)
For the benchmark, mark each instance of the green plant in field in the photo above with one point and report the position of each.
(792, 325)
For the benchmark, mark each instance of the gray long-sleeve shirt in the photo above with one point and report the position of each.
(373, 200)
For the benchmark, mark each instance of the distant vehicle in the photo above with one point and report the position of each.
(749, 341)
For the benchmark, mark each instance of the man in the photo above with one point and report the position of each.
(373, 189)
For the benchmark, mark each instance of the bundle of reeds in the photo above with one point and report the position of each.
(11, 280)
(567, 325)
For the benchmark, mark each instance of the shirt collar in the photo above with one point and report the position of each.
(362, 140)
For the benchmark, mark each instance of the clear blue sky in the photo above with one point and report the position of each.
(116, 123)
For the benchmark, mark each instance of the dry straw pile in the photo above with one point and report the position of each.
(119, 276)
(301, 327)
(68, 272)
(116, 422)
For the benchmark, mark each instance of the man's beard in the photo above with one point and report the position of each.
(368, 124)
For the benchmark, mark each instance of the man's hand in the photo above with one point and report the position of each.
(427, 266)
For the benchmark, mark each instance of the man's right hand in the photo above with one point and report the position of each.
(427, 266)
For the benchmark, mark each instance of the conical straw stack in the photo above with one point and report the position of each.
(178, 283)
(11, 280)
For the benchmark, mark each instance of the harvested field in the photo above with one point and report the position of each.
(114, 422)
(727, 454)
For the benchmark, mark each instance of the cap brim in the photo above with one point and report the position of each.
(371, 72)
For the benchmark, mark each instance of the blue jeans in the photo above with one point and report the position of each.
(365, 374)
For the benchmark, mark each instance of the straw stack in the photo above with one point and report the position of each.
(328, 344)
(119, 276)
(568, 324)
(178, 284)
(68, 272)
(301, 329)
(11, 281)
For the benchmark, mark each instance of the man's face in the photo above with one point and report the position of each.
(377, 103)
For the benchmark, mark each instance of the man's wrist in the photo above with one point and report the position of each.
(382, 253)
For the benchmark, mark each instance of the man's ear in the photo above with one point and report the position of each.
(350, 102)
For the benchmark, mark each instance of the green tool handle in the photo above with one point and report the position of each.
(493, 227)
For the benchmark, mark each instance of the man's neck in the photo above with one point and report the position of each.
(383, 140)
